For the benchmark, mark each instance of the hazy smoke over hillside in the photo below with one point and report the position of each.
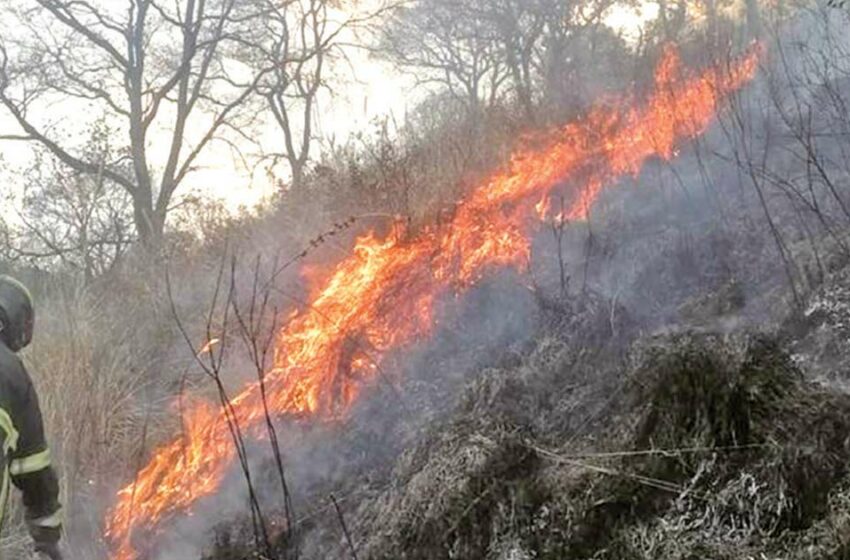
(446, 294)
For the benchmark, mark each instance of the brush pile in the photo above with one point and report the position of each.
(703, 446)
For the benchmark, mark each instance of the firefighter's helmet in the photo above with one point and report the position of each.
(17, 314)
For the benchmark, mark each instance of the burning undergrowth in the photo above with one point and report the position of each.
(384, 297)
(415, 388)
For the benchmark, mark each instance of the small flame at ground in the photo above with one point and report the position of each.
(383, 295)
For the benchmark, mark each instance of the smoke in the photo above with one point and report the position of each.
(418, 385)
(707, 237)
(751, 207)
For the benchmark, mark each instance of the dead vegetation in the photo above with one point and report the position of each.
(594, 443)
(706, 447)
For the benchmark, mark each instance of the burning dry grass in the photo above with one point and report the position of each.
(384, 294)
(489, 485)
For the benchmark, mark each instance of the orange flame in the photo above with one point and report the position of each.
(208, 347)
(383, 295)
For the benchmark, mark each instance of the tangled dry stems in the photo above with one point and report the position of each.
(737, 454)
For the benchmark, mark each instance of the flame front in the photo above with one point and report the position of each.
(383, 295)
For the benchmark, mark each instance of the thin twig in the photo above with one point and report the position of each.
(344, 528)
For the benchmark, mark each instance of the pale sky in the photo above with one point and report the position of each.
(366, 89)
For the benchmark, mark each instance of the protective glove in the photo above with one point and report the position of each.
(48, 551)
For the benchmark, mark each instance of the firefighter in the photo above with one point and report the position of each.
(23, 448)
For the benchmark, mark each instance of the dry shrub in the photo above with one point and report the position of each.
(779, 450)
(744, 457)
(471, 487)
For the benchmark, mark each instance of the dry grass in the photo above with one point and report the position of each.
(766, 478)
(93, 363)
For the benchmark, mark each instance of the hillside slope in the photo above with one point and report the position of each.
(687, 444)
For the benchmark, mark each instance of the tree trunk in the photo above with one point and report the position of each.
(297, 167)
(754, 29)
(664, 20)
(149, 225)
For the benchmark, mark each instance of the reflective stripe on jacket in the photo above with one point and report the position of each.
(25, 458)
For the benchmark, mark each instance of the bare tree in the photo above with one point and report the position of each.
(155, 68)
(517, 27)
(480, 50)
(293, 42)
(753, 19)
(573, 52)
(450, 44)
(77, 220)
(671, 19)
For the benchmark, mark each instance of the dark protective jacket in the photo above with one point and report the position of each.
(24, 455)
